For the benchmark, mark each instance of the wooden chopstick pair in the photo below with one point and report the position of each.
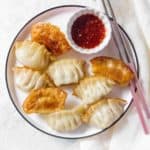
(126, 55)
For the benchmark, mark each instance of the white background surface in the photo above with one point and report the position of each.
(16, 134)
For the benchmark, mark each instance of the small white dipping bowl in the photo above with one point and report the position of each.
(102, 44)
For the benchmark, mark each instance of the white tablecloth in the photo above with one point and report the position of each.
(16, 134)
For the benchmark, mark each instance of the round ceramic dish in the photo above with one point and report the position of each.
(60, 16)
(102, 44)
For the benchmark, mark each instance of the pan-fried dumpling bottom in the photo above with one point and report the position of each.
(104, 112)
(28, 79)
(32, 54)
(51, 36)
(66, 71)
(66, 120)
(91, 89)
(113, 69)
(44, 100)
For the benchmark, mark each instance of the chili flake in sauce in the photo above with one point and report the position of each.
(88, 31)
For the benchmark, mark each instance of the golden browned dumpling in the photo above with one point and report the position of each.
(113, 69)
(104, 112)
(28, 79)
(91, 89)
(51, 36)
(44, 100)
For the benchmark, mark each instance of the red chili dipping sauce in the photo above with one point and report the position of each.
(88, 31)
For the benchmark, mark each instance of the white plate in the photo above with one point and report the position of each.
(60, 16)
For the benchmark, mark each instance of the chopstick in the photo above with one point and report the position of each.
(139, 110)
(135, 85)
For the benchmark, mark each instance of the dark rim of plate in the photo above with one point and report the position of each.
(7, 84)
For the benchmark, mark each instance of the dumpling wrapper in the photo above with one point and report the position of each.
(51, 36)
(66, 120)
(32, 54)
(28, 79)
(113, 69)
(103, 113)
(91, 89)
(66, 71)
(45, 100)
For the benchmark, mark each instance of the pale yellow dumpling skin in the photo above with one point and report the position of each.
(103, 113)
(28, 79)
(33, 55)
(66, 71)
(66, 120)
(92, 88)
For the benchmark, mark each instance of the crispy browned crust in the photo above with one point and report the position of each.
(45, 100)
(87, 115)
(51, 36)
(113, 69)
